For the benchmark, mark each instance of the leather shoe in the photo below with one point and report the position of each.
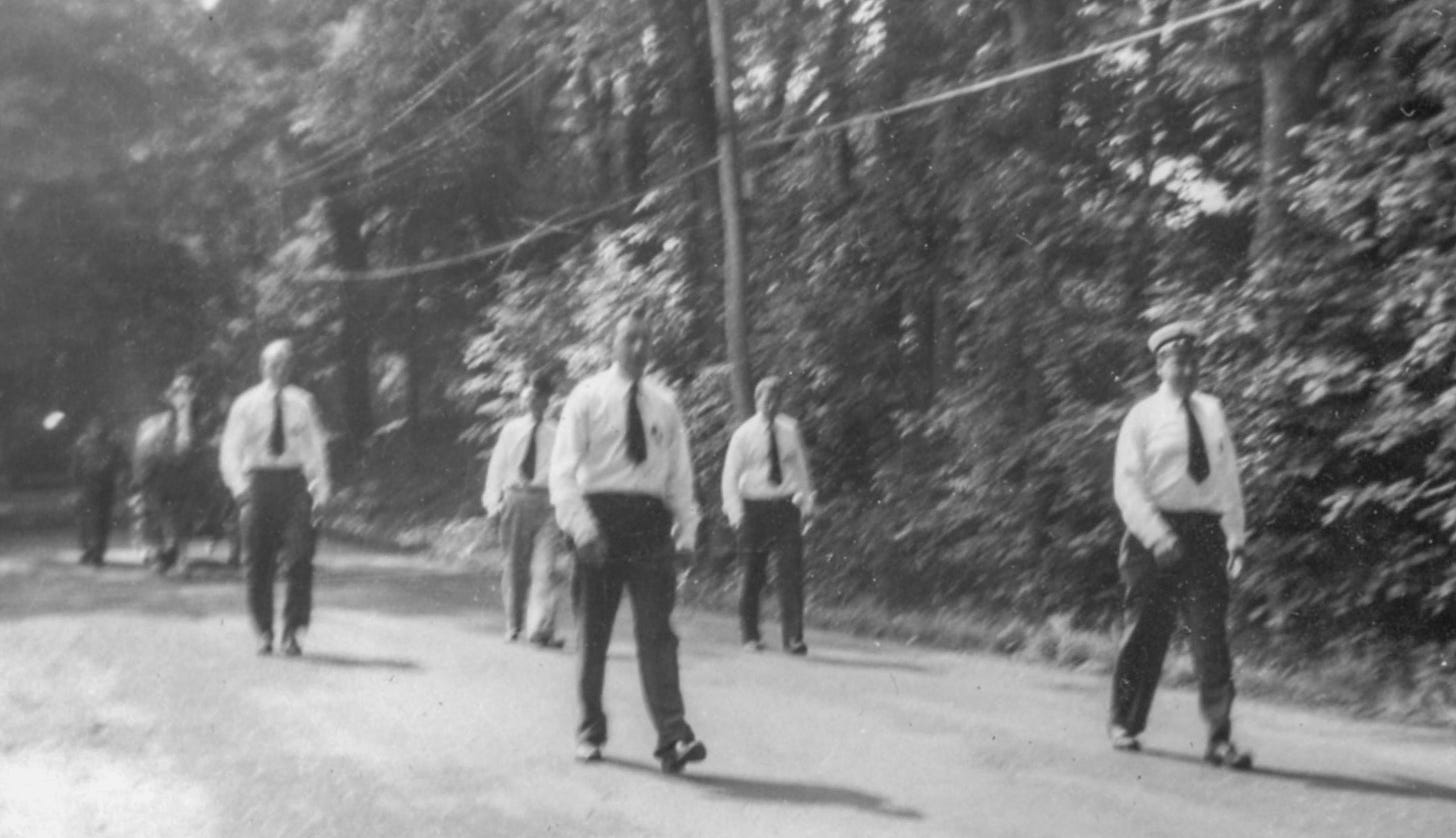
(587, 752)
(1122, 740)
(680, 754)
(1224, 755)
(265, 644)
(797, 648)
(290, 645)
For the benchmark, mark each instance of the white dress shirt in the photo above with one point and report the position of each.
(746, 467)
(1151, 470)
(590, 454)
(245, 446)
(504, 470)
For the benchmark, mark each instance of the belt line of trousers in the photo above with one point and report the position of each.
(533, 572)
(771, 527)
(275, 516)
(636, 532)
(1198, 589)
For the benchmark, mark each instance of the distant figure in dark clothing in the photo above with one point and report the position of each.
(169, 467)
(98, 465)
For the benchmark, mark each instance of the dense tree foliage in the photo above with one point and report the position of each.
(957, 294)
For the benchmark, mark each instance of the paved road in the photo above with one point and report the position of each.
(134, 706)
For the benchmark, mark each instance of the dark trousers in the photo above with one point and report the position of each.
(635, 530)
(276, 518)
(772, 527)
(93, 517)
(1198, 588)
(170, 499)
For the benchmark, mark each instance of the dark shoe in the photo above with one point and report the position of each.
(265, 644)
(797, 648)
(587, 752)
(1225, 755)
(290, 645)
(547, 642)
(513, 635)
(1122, 740)
(681, 754)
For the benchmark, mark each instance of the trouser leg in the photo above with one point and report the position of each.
(518, 527)
(599, 589)
(298, 544)
(549, 571)
(1205, 610)
(653, 589)
(789, 568)
(1149, 617)
(260, 547)
(93, 519)
(149, 522)
(753, 560)
(105, 501)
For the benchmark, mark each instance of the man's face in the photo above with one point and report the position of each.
(1178, 364)
(277, 365)
(767, 401)
(632, 345)
(182, 392)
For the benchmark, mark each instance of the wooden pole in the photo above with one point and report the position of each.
(735, 320)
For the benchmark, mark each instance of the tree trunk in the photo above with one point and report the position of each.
(346, 223)
(735, 319)
(1290, 82)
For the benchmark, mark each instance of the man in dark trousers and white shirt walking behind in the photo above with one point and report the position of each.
(274, 460)
(767, 495)
(1176, 483)
(622, 486)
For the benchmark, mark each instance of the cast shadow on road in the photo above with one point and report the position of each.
(352, 662)
(820, 659)
(770, 791)
(1408, 787)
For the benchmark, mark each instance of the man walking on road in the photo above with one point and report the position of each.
(767, 495)
(167, 473)
(622, 485)
(1176, 484)
(515, 496)
(275, 462)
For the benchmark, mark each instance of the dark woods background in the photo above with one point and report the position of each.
(958, 295)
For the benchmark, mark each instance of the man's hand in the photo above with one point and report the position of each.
(1236, 562)
(592, 552)
(1169, 554)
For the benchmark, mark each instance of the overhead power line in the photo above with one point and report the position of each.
(1015, 75)
(405, 271)
(540, 230)
(331, 157)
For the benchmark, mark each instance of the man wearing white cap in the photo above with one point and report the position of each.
(1176, 484)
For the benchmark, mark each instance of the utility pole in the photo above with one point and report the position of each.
(735, 320)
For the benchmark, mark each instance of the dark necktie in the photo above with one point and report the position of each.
(636, 436)
(275, 438)
(775, 467)
(528, 462)
(1197, 451)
